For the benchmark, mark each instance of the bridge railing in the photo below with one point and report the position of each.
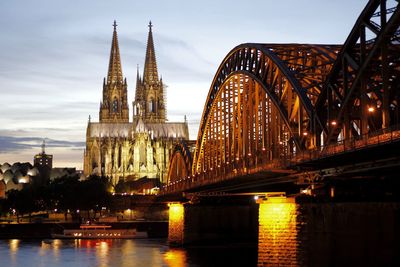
(382, 136)
(258, 163)
(225, 172)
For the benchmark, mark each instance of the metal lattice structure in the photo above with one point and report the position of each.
(180, 164)
(271, 102)
(361, 94)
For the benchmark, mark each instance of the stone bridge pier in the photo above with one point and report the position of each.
(213, 221)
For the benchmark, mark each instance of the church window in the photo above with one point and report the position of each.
(152, 107)
(115, 105)
(119, 156)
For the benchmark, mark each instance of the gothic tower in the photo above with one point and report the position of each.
(114, 106)
(149, 104)
(127, 151)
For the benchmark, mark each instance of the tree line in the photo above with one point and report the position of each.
(67, 194)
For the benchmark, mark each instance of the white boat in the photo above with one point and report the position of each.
(96, 231)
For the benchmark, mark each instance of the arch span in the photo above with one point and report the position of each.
(269, 102)
(260, 106)
(180, 164)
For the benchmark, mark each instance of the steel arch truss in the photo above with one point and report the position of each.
(361, 94)
(261, 106)
(180, 165)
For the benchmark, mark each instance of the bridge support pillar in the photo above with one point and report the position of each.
(212, 222)
(176, 223)
(277, 233)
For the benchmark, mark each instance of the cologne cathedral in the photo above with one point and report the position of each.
(120, 149)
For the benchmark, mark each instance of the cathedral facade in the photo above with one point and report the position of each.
(120, 149)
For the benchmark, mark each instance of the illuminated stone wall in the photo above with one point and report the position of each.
(176, 223)
(277, 236)
(134, 157)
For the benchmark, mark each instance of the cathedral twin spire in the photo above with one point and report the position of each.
(114, 106)
(149, 104)
(114, 68)
(150, 74)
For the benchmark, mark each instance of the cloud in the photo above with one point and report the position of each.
(15, 144)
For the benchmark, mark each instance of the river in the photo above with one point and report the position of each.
(123, 252)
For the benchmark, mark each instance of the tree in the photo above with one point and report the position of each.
(94, 194)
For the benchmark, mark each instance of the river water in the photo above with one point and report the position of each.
(123, 252)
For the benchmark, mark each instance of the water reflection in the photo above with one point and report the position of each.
(277, 238)
(102, 249)
(14, 245)
(119, 253)
(56, 245)
(175, 258)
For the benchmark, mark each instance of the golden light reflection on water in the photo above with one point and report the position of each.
(53, 246)
(44, 246)
(102, 249)
(176, 223)
(14, 246)
(175, 258)
(56, 245)
(127, 250)
(277, 236)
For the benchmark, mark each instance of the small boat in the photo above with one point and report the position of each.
(97, 231)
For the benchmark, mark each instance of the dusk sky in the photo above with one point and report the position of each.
(54, 55)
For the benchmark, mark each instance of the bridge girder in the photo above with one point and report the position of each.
(269, 101)
(260, 88)
(180, 164)
(361, 94)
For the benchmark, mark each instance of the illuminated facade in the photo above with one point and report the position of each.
(127, 150)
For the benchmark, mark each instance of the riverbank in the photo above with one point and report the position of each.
(154, 229)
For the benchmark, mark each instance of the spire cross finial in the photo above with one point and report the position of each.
(43, 146)
(150, 25)
(115, 25)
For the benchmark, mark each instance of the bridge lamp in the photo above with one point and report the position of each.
(333, 123)
(371, 109)
(305, 134)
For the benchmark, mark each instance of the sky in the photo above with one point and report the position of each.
(54, 55)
